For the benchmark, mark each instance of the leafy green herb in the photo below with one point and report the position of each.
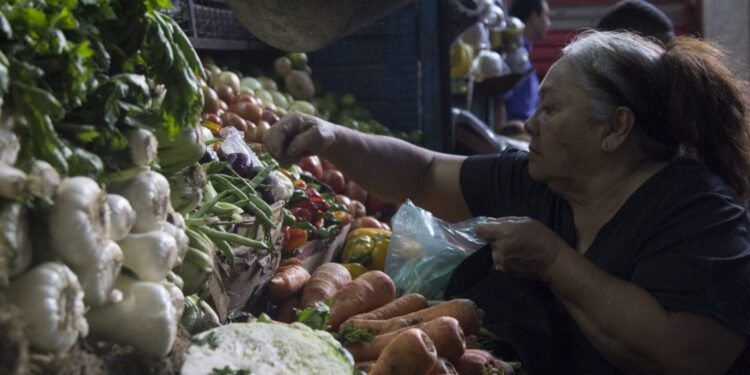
(349, 335)
(209, 339)
(315, 317)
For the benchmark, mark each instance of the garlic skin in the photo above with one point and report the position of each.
(151, 256)
(175, 227)
(15, 241)
(148, 194)
(9, 146)
(122, 216)
(52, 303)
(145, 318)
(13, 182)
(43, 179)
(99, 277)
(143, 147)
(79, 221)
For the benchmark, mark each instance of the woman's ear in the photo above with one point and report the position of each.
(619, 128)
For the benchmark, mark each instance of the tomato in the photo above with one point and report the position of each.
(247, 111)
(355, 192)
(270, 117)
(335, 179)
(234, 120)
(210, 100)
(342, 217)
(357, 209)
(366, 222)
(226, 93)
(312, 164)
(327, 164)
(262, 129)
(247, 98)
(343, 200)
(293, 238)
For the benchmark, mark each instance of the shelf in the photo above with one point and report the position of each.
(227, 45)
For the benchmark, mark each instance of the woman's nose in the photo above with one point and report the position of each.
(530, 125)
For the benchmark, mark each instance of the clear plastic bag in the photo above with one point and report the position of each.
(424, 250)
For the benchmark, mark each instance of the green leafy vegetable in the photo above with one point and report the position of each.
(315, 317)
(209, 339)
(348, 335)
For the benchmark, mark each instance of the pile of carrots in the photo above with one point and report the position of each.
(408, 336)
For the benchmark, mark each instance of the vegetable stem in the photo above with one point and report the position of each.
(217, 235)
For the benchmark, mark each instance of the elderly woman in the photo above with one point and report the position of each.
(620, 245)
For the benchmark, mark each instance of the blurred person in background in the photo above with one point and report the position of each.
(639, 17)
(518, 105)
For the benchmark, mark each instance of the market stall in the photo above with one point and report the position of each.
(146, 230)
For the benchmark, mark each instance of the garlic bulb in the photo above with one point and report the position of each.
(52, 303)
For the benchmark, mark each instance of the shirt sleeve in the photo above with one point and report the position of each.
(698, 260)
(498, 185)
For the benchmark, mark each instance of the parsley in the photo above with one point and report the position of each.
(209, 338)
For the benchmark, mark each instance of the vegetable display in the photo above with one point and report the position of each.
(140, 209)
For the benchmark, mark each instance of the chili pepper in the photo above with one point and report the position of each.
(342, 217)
(299, 183)
(289, 217)
(297, 196)
(302, 213)
(305, 225)
(212, 126)
(293, 238)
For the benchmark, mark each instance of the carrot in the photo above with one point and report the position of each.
(472, 342)
(444, 332)
(410, 353)
(293, 261)
(506, 368)
(378, 327)
(324, 282)
(478, 362)
(443, 367)
(287, 281)
(472, 363)
(464, 310)
(369, 291)
(405, 304)
(284, 311)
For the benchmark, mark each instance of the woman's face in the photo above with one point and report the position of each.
(565, 142)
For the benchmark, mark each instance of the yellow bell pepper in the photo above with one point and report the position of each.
(355, 269)
(367, 246)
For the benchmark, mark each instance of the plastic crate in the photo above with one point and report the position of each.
(379, 66)
(208, 19)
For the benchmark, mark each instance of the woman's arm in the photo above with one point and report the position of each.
(625, 323)
(388, 167)
(631, 328)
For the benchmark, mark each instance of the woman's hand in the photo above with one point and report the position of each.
(297, 135)
(521, 246)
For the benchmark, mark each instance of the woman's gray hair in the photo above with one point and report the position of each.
(598, 58)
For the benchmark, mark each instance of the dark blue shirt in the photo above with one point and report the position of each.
(681, 236)
(521, 102)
